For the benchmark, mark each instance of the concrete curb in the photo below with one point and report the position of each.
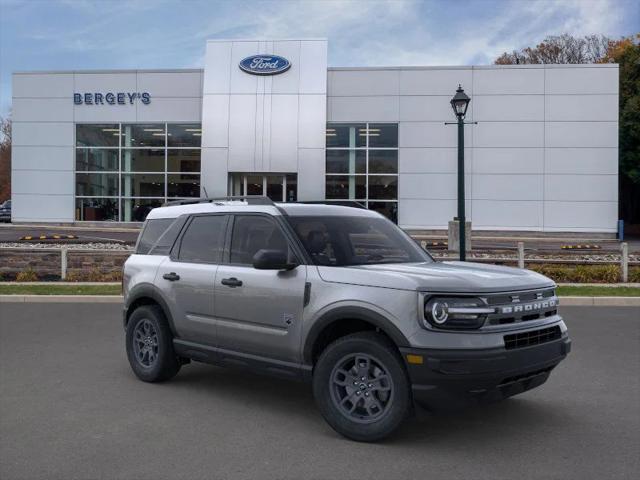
(600, 301)
(564, 301)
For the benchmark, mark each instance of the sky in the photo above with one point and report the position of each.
(109, 34)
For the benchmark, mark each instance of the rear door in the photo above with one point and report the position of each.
(187, 277)
(259, 312)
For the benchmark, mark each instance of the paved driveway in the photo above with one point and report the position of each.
(70, 408)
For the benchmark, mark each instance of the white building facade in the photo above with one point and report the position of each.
(110, 145)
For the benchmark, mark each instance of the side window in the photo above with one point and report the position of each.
(203, 240)
(168, 238)
(252, 233)
(317, 241)
(151, 233)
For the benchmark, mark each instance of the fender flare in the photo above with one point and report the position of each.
(149, 291)
(356, 313)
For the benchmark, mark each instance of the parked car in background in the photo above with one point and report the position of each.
(5, 211)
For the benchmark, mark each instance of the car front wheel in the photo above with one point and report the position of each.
(361, 387)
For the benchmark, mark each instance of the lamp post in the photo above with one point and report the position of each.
(460, 103)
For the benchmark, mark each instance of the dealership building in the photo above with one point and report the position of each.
(271, 118)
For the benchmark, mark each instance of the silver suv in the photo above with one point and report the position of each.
(339, 297)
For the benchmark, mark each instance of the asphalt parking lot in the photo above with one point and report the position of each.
(70, 408)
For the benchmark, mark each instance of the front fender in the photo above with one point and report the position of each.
(355, 312)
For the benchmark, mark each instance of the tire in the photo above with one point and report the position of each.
(150, 345)
(384, 398)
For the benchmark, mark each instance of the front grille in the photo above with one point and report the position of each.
(505, 298)
(522, 306)
(534, 337)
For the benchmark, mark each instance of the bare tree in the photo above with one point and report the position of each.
(563, 48)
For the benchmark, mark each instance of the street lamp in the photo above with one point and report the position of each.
(460, 103)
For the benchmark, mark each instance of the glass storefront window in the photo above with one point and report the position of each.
(362, 165)
(383, 187)
(388, 209)
(139, 165)
(346, 161)
(142, 160)
(181, 185)
(383, 161)
(254, 185)
(102, 135)
(96, 160)
(292, 188)
(184, 135)
(183, 160)
(144, 135)
(383, 135)
(346, 136)
(137, 209)
(96, 209)
(275, 188)
(97, 185)
(143, 185)
(346, 187)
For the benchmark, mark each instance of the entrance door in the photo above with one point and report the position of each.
(279, 187)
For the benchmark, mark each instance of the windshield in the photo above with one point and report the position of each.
(345, 241)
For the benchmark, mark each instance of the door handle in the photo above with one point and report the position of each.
(231, 282)
(172, 277)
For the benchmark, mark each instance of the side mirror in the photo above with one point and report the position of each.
(272, 260)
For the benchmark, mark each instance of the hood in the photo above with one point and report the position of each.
(464, 277)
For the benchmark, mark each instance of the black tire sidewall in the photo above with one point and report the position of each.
(379, 347)
(166, 365)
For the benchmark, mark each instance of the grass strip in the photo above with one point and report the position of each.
(598, 291)
(54, 289)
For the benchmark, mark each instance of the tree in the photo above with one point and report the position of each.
(5, 159)
(600, 49)
(626, 53)
(560, 49)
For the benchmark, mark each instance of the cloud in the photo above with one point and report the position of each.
(85, 34)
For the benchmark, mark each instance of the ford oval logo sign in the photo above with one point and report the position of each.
(265, 64)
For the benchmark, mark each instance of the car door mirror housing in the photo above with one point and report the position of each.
(272, 260)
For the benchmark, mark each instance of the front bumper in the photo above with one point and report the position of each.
(458, 377)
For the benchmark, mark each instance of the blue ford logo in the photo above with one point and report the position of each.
(265, 64)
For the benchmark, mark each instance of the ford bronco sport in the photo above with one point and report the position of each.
(340, 297)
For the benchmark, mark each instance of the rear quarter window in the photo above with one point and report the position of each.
(152, 231)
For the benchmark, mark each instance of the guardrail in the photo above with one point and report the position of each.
(521, 260)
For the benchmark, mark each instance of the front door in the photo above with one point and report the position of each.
(188, 277)
(259, 312)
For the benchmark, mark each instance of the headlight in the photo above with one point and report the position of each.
(455, 312)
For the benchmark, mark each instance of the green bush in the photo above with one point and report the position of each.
(634, 274)
(27, 275)
(94, 275)
(585, 273)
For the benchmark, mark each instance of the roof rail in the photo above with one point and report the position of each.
(250, 199)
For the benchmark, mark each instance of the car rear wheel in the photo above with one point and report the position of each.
(150, 345)
(361, 386)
